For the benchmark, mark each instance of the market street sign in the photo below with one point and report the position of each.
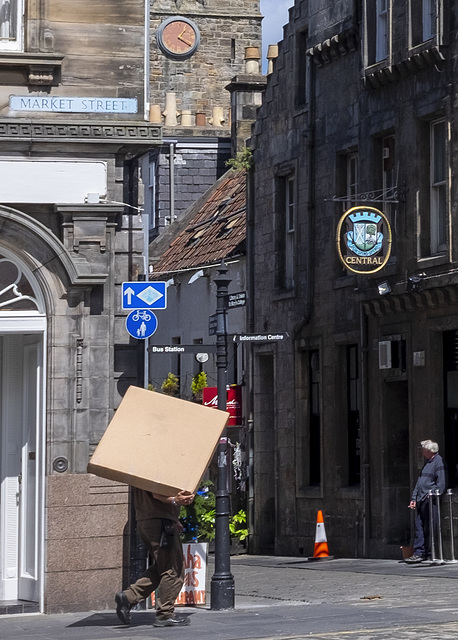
(141, 324)
(72, 104)
(182, 348)
(261, 337)
(144, 295)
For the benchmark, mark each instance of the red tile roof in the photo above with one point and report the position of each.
(212, 229)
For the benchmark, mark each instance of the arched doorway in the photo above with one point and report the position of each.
(22, 432)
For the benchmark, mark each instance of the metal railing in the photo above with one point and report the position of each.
(435, 527)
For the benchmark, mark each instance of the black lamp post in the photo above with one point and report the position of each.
(222, 582)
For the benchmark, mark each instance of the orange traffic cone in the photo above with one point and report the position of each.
(321, 551)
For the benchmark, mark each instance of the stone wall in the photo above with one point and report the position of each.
(86, 541)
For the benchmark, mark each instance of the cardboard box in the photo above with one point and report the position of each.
(158, 443)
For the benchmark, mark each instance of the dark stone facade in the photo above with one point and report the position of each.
(346, 122)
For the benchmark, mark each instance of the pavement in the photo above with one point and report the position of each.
(287, 599)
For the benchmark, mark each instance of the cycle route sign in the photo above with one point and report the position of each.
(141, 323)
(141, 298)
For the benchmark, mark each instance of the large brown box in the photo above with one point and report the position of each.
(158, 443)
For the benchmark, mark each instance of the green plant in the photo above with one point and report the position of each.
(199, 381)
(242, 160)
(171, 386)
(198, 518)
(237, 525)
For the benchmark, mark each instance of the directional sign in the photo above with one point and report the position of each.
(234, 300)
(182, 348)
(141, 323)
(261, 337)
(144, 295)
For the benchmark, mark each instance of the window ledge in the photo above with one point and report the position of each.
(432, 261)
(383, 73)
(32, 69)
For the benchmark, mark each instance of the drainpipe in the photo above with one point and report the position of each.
(310, 135)
(249, 348)
(146, 66)
(171, 144)
(365, 466)
(172, 182)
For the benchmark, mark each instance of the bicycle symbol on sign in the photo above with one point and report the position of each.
(141, 315)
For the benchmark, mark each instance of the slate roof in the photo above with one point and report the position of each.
(212, 229)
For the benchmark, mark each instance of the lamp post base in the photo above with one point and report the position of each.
(222, 592)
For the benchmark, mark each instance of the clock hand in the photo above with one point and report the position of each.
(185, 41)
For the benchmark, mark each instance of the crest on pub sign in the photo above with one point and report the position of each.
(363, 239)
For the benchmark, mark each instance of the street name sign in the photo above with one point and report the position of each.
(261, 337)
(182, 348)
(141, 323)
(234, 300)
(144, 295)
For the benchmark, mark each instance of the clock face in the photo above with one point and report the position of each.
(178, 37)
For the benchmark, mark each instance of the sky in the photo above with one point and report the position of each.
(275, 14)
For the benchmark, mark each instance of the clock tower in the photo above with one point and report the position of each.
(196, 49)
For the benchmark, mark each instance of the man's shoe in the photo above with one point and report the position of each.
(123, 607)
(171, 622)
(414, 559)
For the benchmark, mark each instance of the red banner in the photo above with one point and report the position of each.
(233, 402)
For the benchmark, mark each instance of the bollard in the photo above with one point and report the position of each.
(439, 527)
(452, 537)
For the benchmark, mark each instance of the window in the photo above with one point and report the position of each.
(438, 186)
(377, 37)
(389, 184)
(286, 236)
(432, 192)
(354, 445)
(352, 179)
(381, 51)
(422, 21)
(289, 233)
(232, 49)
(11, 25)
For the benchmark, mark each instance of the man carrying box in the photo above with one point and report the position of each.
(159, 527)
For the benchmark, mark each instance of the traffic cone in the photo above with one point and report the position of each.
(321, 551)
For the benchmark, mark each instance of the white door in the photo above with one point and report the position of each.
(20, 465)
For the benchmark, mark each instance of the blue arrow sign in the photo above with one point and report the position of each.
(141, 323)
(144, 295)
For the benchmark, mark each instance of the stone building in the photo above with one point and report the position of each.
(359, 113)
(82, 152)
(196, 50)
(187, 256)
(72, 126)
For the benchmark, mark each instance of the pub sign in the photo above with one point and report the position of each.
(363, 240)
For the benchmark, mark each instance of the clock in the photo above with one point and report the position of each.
(178, 37)
(201, 357)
